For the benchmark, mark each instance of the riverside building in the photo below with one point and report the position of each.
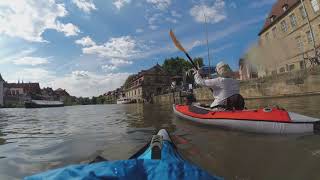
(290, 36)
(1, 91)
(148, 83)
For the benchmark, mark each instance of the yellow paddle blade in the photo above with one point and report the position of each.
(176, 42)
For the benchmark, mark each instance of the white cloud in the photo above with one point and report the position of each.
(194, 44)
(117, 52)
(85, 41)
(124, 47)
(261, 3)
(33, 75)
(172, 20)
(68, 29)
(154, 20)
(139, 30)
(160, 4)
(109, 67)
(115, 63)
(9, 58)
(28, 19)
(233, 5)
(153, 27)
(80, 75)
(120, 62)
(84, 83)
(120, 3)
(175, 14)
(33, 61)
(85, 5)
(211, 14)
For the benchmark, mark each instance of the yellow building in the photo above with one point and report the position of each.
(286, 42)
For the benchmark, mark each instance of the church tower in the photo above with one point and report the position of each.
(1, 90)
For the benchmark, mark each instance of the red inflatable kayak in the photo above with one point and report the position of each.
(264, 120)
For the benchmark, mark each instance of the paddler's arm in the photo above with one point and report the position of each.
(205, 82)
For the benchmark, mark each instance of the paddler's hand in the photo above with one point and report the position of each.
(192, 71)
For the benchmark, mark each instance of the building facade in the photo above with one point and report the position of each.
(247, 70)
(17, 93)
(1, 91)
(286, 37)
(148, 83)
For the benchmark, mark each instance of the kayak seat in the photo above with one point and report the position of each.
(198, 110)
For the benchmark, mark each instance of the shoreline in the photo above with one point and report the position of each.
(284, 95)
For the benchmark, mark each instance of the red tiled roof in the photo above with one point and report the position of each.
(61, 92)
(278, 12)
(27, 87)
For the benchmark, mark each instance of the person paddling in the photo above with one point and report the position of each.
(225, 89)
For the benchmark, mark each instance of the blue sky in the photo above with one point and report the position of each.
(89, 47)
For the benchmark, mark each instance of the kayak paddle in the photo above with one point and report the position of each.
(180, 47)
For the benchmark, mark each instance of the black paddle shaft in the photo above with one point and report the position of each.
(191, 61)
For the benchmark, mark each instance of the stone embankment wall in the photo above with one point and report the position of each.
(281, 85)
(169, 98)
(289, 84)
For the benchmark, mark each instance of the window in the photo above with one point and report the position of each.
(309, 36)
(274, 32)
(284, 26)
(267, 36)
(293, 21)
(272, 18)
(315, 5)
(291, 67)
(285, 7)
(299, 43)
(303, 12)
(282, 70)
(301, 64)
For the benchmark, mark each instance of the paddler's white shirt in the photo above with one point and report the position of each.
(222, 87)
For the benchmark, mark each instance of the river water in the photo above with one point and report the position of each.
(34, 140)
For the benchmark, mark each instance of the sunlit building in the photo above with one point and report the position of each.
(17, 92)
(286, 37)
(247, 70)
(148, 83)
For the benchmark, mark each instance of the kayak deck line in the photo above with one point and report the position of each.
(270, 120)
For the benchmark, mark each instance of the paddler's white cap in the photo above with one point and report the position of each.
(220, 64)
(224, 69)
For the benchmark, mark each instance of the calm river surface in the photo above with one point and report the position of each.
(34, 140)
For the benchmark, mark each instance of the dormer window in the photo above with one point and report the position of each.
(285, 7)
(272, 18)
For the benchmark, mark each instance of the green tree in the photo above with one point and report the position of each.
(94, 100)
(176, 66)
(101, 99)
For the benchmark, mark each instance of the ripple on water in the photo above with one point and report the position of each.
(39, 139)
